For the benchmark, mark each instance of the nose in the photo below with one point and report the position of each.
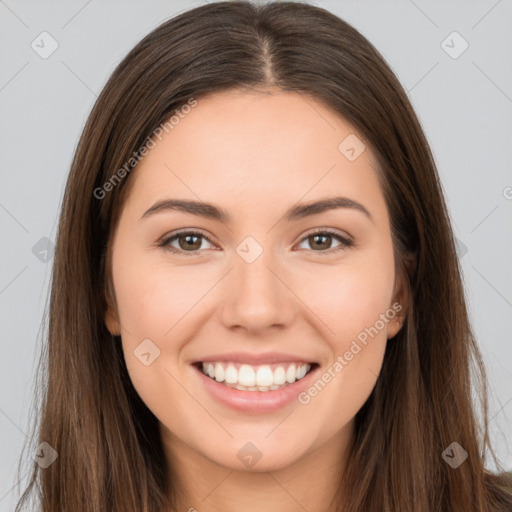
(257, 297)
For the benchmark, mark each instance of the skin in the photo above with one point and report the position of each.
(255, 155)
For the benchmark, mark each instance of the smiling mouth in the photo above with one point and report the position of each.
(246, 377)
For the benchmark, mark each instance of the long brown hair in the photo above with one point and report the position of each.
(110, 455)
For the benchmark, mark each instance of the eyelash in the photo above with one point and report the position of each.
(345, 242)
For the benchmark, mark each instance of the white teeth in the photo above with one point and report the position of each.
(290, 374)
(301, 371)
(264, 376)
(246, 375)
(255, 378)
(231, 374)
(279, 376)
(219, 372)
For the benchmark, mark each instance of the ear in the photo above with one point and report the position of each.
(401, 297)
(112, 321)
(111, 315)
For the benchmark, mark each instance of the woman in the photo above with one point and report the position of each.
(256, 301)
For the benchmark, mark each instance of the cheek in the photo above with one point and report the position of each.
(350, 297)
(152, 297)
(153, 303)
(353, 302)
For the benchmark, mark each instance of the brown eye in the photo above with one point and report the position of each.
(321, 241)
(188, 242)
(192, 242)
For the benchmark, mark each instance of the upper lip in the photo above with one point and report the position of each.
(255, 359)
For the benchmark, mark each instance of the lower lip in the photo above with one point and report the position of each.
(256, 402)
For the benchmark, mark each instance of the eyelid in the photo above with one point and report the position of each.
(330, 231)
(345, 241)
(166, 239)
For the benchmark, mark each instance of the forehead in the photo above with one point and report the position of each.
(256, 148)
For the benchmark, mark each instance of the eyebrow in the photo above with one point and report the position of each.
(210, 211)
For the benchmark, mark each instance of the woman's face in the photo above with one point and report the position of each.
(254, 293)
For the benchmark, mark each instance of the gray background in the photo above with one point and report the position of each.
(464, 104)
